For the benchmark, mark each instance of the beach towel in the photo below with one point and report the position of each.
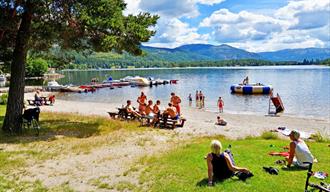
(286, 131)
(320, 175)
(283, 154)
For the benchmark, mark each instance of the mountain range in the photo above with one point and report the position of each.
(203, 52)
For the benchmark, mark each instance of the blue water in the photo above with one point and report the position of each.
(305, 90)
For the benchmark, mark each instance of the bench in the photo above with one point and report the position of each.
(44, 101)
(146, 120)
(31, 102)
(113, 115)
(122, 114)
(171, 123)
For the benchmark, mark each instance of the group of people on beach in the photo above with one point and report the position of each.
(39, 100)
(200, 101)
(221, 165)
(152, 111)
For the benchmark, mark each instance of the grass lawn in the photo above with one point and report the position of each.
(184, 168)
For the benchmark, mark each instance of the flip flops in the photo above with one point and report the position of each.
(271, 170)
(280, 162)
(243, 176)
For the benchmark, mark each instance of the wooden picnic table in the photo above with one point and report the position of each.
(45, 100)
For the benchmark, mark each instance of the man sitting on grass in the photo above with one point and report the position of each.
(299, 152)
(221, 166)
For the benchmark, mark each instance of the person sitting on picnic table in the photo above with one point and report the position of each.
(221, 121)
(171, 112)
(221, 166)
(298, 152)
(37, 98)
(130, 110)
(156, 110)
(149, 109)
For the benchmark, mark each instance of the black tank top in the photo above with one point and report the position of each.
(220, 167)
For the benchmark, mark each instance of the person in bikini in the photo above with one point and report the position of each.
(220, 105)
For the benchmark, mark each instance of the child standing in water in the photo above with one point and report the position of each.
(220, 105)
(190, 99)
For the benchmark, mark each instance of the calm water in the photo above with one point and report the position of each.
(305, 90)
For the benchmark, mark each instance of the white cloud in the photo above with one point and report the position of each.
(171, 8)
(132, 7)
(209, 2)
(173, 33)
(305, 14)
(301, 23)
(284, 40)
(231, 27)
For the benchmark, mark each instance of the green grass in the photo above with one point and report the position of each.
(184, 168)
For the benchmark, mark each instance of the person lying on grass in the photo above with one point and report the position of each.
(221, 166)
(298, 152)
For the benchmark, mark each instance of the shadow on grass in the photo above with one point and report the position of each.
(204, 182)
(294, 168)
(52, 128)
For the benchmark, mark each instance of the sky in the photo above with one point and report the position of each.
(253, 25)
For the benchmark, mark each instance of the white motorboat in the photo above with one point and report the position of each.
(137, 80)
(54, 86)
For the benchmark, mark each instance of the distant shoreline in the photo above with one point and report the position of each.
(225, 67)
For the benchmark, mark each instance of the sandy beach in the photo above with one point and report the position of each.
(201, 122)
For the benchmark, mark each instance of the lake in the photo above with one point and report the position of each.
(305, 90)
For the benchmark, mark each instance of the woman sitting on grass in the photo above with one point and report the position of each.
(221, 166)
(299, 152)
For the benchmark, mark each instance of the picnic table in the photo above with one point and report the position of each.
(122, 114)
(163, 121)
(44, 101)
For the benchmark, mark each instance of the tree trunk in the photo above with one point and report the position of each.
(12, 122)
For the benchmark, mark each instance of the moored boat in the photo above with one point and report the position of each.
(137, 81)
(256, 88)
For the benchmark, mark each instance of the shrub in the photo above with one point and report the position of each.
(36, 67)
(4, 99)
(269, 135)
(319, 138)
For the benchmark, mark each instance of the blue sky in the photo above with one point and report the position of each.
(254, 25)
